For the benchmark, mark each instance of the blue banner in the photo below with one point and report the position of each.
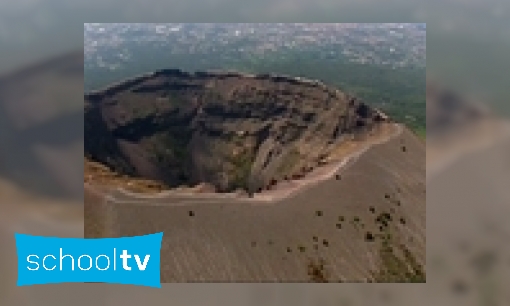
(126, 260)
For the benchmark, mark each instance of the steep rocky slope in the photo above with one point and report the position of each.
(235, 131)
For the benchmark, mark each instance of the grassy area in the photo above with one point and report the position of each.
(398, 268)
(242, 169)
(421, 132)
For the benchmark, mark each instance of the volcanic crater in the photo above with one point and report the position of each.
(229, 130)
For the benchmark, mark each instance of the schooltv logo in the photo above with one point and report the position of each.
(126, 260)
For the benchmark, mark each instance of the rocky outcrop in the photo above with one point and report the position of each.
(232, 130)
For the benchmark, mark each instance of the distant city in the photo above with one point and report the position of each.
(391, 44)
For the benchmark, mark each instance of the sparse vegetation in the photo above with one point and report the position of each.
(100, 174)
(398, 268)
(242, 163)
(384, 219)
(397, 263)
(317, 271)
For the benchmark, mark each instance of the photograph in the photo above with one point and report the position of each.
(264, 152)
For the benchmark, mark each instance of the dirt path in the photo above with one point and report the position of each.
(341, 158)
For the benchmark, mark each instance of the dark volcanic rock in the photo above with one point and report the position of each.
(229, 129)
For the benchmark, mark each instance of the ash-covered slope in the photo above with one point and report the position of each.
(364, 223)
(229, 129)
